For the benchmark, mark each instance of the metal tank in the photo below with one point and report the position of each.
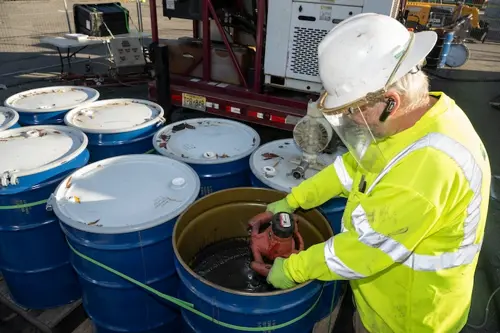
(34, 255)
(117, 126)
(8, 118)
(224, 215)
(121, 212)
(272, 166)
(45, 106)
(217, 149)
(447, 40)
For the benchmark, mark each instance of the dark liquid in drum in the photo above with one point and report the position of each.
(227, 264)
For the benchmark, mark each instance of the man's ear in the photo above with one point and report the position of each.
(392, 101)
(395, 97)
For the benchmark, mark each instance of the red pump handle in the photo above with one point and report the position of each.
(255, 223)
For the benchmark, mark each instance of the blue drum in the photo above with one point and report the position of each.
(217, 149)
(223, 216)
(48, 105)
(121, 211)
(117, 126)
(272, 166)
(34, 255)
(8, 118)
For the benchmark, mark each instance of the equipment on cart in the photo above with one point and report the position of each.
(438, 15)
(279, 240)
(128, 55)
(312, 134)
(294, 30)
(186, 54)
(99, 20)
(188, 9)
(251, 60)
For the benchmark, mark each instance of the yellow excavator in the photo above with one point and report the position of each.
(454, 20)
(437, 15)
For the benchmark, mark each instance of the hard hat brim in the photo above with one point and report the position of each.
(423, 44)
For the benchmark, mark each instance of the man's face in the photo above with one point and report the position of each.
(370, 116)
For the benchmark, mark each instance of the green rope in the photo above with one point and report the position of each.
(190, 307)
(332, 305)
(26, 205)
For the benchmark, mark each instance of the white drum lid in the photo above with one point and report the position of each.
(206, 141)
(34, 149)
(272, 164)
(8, 117)
(125, 194)
(115, 116)
(51, 99)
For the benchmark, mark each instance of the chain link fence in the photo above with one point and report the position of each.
(24, 22)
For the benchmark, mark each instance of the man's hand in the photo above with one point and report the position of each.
(280, 206)
(277, 276)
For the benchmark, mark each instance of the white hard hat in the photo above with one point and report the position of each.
(359, 55)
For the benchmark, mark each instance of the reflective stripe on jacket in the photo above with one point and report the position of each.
(411, 235)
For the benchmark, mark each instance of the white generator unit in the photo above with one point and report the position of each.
(294, 30)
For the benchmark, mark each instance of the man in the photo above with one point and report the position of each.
(416, 177)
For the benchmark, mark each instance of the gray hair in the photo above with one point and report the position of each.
(413, 89)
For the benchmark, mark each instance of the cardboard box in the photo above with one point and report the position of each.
(186, 56)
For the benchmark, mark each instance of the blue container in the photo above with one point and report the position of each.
(46, 106)
(217, 149)
(207, 221)
(8, 119)
(447, 40)
(271, 166)
(34, 255)
(245, 310)
(117, 127)
(121, 212)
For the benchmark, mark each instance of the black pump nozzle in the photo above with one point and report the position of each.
(283, 225)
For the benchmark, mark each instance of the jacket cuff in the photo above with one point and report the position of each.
(292, 202)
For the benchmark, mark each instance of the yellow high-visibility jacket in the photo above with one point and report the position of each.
(411, 235)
